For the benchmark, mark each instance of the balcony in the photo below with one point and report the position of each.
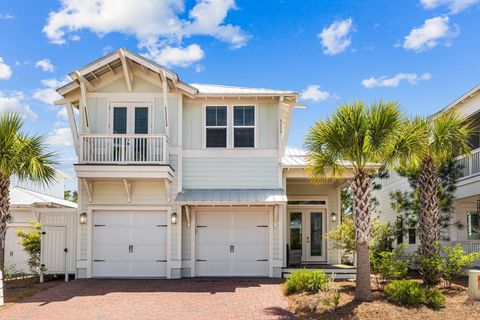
(470, 164)
(136, 149)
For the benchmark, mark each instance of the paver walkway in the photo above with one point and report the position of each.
(236, 298)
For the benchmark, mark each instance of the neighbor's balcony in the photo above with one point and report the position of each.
(470, 164)
(124, 149)
(469, 246)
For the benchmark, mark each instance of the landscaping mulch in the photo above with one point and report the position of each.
(17, 290)
(458, 306)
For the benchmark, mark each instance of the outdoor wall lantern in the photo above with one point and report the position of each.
(83, 218)
(334, 217)
(174, 218)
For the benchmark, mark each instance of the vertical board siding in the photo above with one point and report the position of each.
(267, 125)
(159, 116)
(242, 173)
(192, 126)
(384, 211)
(186, 238)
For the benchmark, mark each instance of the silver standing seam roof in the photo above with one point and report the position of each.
(231, 196)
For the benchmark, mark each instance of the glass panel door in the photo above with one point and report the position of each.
(316, 234)
(140, 127)
(296, 238)
(120, 126)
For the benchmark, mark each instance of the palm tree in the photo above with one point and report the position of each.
(21, 155)
(360, 138)
(443, 138)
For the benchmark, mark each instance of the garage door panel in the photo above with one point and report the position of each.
(149, 253)
(214, 252)
(149, 219)
(213, 268)
(212, 235)
(213, 219)
(250, 268)
(112, 218)
(251, 252)
(110, 269)
(149, 269)
(108, 235)
(110, 252)
(248, 235)
(149, 236)
(250, 218)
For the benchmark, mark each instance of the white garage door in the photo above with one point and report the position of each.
(129, 244)
(232, 243)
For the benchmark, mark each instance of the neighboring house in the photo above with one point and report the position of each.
(31, 201)
(467, 197)
(183, 180)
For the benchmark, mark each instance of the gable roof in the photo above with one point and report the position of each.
(475, 90)
(27, 198)
(221, 90)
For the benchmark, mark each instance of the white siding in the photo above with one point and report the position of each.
(242, 173)
(384, 211)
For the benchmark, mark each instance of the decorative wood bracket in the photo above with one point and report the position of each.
(187, 214)
(126, 70)
(88, 188)
(167, 189)
(275, 215)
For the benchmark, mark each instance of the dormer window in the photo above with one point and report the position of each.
(244, 126)
(216, 126)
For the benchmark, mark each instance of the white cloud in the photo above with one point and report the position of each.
(182, 57)
(335, 39)
(433, 32)
(48, 94)
(6, 16)
(384, 81)
(45, 65)
(63, 113)
(199, 68)
(60, 137)
(455, 6)
(158, 25)
(313, 93)
(15, 102)
(5, 70)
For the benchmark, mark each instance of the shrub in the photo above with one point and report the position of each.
(389, 265)
(429, 268)
(30, 240)
(405, 293)
(434, 299)
(311, 281)
(455, 262)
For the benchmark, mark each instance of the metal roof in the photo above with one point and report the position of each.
(213, 89)
(231, 196)
(24, 197)
(294, 157)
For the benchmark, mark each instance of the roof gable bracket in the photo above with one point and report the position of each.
(126, 71)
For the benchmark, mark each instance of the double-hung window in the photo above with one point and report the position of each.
(243, 126)
(216, 126)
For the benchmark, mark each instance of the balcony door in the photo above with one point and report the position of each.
(131, 119)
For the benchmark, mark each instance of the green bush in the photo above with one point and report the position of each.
(429, 268)
(311, 281)
(30, 241)
(456, 262)
(434, 299)
(405, 293)
(389, 265)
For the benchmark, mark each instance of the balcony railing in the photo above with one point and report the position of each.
(124, 149)
(469, 246)
(470, 164)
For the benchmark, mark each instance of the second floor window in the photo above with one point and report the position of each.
(244, 126)
(216, 126)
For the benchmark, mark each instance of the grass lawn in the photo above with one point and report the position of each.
(312, 306)
(17, 290)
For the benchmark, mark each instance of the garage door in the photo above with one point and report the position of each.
(129, 244)
(232, 243)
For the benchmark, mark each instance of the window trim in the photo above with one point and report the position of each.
(467, 224)
(255, 144)
(205, 127)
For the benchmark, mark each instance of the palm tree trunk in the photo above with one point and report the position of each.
(429, 210)
(362, 190)
(4, 215)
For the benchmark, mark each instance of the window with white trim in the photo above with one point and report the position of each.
(216, 126)
(244, 126)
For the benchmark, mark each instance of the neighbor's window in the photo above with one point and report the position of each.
(412, 234)
(244, 126)
(399, 229)
(474, 140)
(216, 126)
(473, 226)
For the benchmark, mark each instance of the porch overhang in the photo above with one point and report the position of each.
(209, 197)
(122, 172)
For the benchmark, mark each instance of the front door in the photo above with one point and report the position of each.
(307, 228)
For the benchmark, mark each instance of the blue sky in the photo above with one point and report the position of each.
(421, 53)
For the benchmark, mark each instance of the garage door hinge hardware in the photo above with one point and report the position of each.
(201, 260)
(65, 250)
(100, 225)
(98, 260)
(262, 259)
(43, 232)
(201, 226)
(161, 260)
(162, 225)
(262, 226)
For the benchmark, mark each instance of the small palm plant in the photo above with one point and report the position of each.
(360, 138)
(21, 155)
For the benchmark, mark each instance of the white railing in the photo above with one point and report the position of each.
(469, 246)
(470, 164)
(124, 149)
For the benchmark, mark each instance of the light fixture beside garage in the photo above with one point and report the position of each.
(174, 218)
(334, 217)
(83, 218)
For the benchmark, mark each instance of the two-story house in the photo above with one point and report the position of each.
(185, 180)
(467, 196)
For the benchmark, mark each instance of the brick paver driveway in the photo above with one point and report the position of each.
(156, 299)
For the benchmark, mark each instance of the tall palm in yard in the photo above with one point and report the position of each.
(443, 138)
(360, 138)
(21, 155)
